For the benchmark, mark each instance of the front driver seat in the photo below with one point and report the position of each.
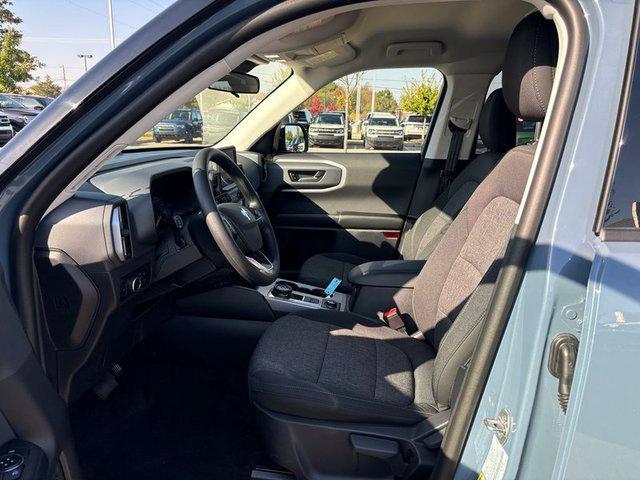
(343, 396)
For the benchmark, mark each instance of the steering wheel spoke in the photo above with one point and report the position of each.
(261, 261)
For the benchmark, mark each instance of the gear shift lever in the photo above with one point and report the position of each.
(282, 290)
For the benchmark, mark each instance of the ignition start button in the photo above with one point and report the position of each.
(10, 462)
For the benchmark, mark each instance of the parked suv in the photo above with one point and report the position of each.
(180, 125)
(6, 130)
(327, 130)
(18, 114)
(36, 102)
(303, 117)
(415, 126)
(383, 131)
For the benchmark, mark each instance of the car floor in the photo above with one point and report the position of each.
(168, 421)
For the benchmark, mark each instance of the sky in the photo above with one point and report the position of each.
(57, 31)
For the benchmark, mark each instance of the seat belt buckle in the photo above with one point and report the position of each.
(393, 319)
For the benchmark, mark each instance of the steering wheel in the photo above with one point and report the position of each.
(242, 232)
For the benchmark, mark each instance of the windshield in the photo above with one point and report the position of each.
(8, 102)
(29, 102)
(180, 115)
(300, 116)
(329, 119)
(383, 121)
(415, 118)
(211, 115)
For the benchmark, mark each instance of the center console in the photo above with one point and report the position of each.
(288, 296)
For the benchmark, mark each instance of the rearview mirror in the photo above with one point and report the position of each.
(236, 83)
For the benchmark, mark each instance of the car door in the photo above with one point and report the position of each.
(560, 401)
(354, 200)
(339, 202)
(30, 409)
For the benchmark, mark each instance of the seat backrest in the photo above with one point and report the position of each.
(453, 291)
(497, 128)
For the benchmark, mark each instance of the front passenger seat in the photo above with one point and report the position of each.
(497, 128)
(342, 396)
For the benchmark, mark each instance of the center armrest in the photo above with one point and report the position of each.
(387, 273)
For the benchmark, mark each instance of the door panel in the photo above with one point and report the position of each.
(339, 202)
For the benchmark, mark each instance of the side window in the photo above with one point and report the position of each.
(620, 209)
(383, 110)
(526, 132)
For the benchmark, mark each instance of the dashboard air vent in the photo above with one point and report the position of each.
(120, 232)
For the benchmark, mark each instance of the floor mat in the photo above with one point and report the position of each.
(169, 422)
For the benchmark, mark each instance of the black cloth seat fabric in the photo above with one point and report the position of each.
(497, 128)
(340, 366)
(320, 269)
(343, 367)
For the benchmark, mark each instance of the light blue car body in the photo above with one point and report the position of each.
(574, 283)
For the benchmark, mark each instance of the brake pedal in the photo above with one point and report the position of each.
(106, 386)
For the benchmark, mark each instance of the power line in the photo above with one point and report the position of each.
(101, 14)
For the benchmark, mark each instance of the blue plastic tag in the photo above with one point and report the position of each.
(333, 285)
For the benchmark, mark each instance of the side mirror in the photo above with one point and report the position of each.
(293, 138)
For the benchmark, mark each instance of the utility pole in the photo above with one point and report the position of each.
(358, 93)
(373, 92)
(85, 56)
(64, 76)
(112, 33)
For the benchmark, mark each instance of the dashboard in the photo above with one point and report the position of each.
(110, 258)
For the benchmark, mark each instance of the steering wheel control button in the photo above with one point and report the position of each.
(10, 462)
(331, 304)
(282, 290)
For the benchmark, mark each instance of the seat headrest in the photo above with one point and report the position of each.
(497, 125)
(529, 67)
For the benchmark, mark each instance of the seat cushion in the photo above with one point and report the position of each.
(320, 269)
(343, 367)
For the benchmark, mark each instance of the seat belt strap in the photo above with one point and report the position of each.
(457, 136)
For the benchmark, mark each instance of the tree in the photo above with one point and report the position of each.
(45, 88)
(7, 17)
(420, 96)
(16, 65)
(348, 84)
(385, 101)
(314, 105)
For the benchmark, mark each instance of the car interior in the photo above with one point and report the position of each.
(193, 323)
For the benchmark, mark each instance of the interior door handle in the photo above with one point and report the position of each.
(306, 176)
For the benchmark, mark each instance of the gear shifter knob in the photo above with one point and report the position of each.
(282, 290)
